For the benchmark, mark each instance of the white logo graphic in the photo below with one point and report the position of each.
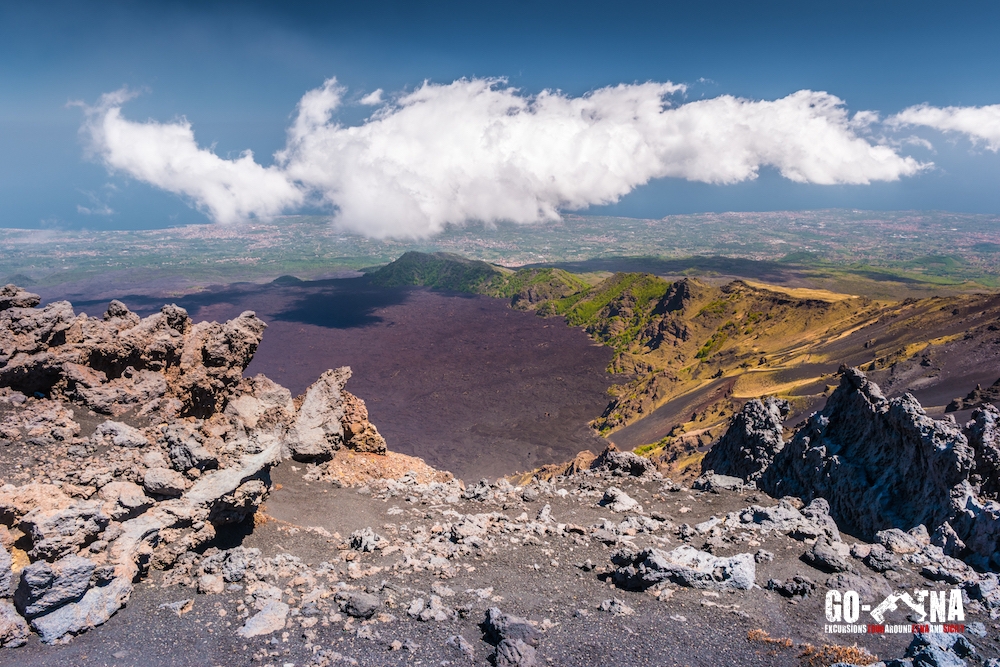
(934, 607)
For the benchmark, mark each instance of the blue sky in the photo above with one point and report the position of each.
(236, 72)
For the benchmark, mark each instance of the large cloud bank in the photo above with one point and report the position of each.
(478, 149)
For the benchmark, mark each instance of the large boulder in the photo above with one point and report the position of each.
(684, 566)
(318, 432)
(750, 444)
(46, 586)
(55, 532)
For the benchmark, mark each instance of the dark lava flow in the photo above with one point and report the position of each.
(462, 381)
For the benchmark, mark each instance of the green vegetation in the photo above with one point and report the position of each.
(440, 270)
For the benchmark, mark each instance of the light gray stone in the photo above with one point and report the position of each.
(121, 435)
(269, 619)
(58, 531)
(95, 608)
(685, 566)
(164, 482)
(617, 500)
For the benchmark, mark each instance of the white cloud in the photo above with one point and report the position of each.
(167, 156)
(372, 99)
(478, 149)
(979, 123)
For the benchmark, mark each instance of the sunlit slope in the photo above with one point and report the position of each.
(695, 351)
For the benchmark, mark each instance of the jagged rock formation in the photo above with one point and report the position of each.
(751, 442)
(189, 450)
(163, 363)
(978, 397)
(883, 464)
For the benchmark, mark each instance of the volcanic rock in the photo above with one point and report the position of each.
(318, 431)
(499, 626)
(55, 532)
(269, 619)
(617, 500)
(750, 444)
(984, 438)
(45, 586)
(870, 457)
(685, 566)
(205, 464)
(164, 482)
(14, 630)
(12, 296)
(623, 463)
(828, 556)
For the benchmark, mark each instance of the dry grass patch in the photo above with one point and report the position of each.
(763, 637)
(831, 654)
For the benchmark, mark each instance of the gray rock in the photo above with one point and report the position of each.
(785, 518)
(59, 531)
(868, 588)
(897, 542)
(514, 653)
(828, 556)
(318, 431)
(164, 482)
(45, 586)
(237, 560)
(939, 650)
(460, 644)
(435, 611)
(983, 432)
(616, 607)
(624, 463)
(186, 449)
(269, 619)
(121, 435)
(361, 605)
(617, 500)
(685, 566)
(751, 442)
(14, 629)
(95, 608)
(870, 456)
(796, 587)
(499, 626)
(713, 482)
(471, 528)
(6, 573)
(879, 559)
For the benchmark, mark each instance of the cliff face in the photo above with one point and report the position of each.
(93, 502)
(881, 464)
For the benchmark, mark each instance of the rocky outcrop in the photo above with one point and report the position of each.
(684, 566)
(164, 363)
(750, 444)
(883, 464)
(189, 449)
